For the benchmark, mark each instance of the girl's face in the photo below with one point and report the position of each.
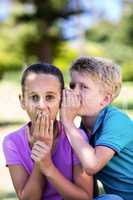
(42, 92)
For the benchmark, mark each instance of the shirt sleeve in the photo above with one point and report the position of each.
(76, 161)
(116, 133)
(10, 152)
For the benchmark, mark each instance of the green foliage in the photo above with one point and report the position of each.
(33, 32)
(45, 17)
(125, 32)
(120, 53)
(127, 71)
(116, 42)
(100, 32)
(11, 56)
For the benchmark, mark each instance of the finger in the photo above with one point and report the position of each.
(42, 125)
(37, 147)
(39, 143)
(36, 157)
(64, 98)
(35, 116)
(47, 124)
(36, 126)
(51, 130)
(68, 98)
(72, 100)
(76, 100)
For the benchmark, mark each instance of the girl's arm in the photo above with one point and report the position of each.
(81, 189)
(41, 154)
(27, 187)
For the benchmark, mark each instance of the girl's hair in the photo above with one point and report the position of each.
(42, 68)
(103, 70)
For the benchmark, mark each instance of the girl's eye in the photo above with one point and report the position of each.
(50, 97)
(72, 85)
(35, 98)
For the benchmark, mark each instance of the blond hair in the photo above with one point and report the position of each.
(103, 70)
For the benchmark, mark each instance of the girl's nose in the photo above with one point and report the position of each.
(42, 105)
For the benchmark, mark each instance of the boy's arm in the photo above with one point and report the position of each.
(92, 159)
(27, 187)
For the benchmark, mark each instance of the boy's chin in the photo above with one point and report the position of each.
(82, 113)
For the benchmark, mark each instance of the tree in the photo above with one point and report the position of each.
(46, 18)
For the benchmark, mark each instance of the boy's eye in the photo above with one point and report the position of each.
(83, 86)
(50, 97)
(72, 85)
(35, 98)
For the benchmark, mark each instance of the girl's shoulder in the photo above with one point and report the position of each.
(15, 137)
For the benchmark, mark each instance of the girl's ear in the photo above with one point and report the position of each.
(22, 103)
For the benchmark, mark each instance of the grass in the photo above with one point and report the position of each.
(7, 195)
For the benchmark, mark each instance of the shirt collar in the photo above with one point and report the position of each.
(99, 119)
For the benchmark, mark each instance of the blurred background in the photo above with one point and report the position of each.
(58, 31)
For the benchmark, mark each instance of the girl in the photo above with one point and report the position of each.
(40, 159)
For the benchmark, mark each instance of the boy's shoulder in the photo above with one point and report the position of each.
(112, 110)
(114, 114)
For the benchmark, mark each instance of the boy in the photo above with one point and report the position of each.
(95, 83)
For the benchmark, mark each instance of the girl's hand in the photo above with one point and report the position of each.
(70, 106)
(43, 128)
(41, 151)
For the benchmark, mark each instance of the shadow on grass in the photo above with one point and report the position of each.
(9, 123)
(8, 196)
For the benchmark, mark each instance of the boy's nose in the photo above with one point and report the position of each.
(77, 90)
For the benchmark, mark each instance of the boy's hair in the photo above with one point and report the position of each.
(42, 68)
(101, 69)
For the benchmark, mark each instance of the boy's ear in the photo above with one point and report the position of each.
(22, 103)
(107, 99)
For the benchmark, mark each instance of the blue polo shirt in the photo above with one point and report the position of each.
(114, 129)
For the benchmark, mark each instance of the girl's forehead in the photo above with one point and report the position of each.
(40, 76)
(42, 82)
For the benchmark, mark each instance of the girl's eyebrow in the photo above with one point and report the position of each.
(50, 92)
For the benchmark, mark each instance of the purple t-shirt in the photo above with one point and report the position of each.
(17, 152)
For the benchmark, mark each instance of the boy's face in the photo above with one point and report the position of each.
(42, 93)
(92, 99)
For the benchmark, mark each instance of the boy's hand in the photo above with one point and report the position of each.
(70, 106)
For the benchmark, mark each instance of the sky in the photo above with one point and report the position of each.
(110, 10)
(4, 9)
(95, 10)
